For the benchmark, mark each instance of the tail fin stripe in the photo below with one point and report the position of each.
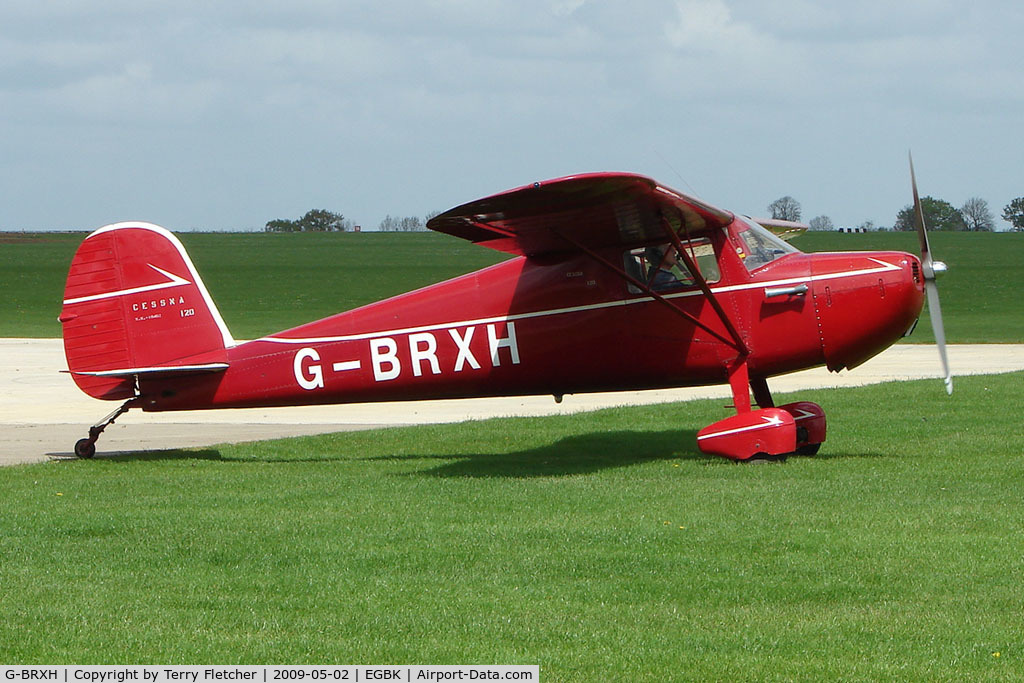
(225, 334)
(175, 281)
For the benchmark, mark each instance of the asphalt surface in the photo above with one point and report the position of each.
(43, 413)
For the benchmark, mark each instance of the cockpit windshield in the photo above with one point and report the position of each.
(760, 247)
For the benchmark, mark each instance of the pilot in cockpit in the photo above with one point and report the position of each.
(662, 261)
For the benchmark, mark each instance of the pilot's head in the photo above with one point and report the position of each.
(663, 256)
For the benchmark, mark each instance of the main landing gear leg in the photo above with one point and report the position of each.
(762, 396)
(764, 434)
(86, 448)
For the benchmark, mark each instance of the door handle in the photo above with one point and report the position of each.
(794, 290)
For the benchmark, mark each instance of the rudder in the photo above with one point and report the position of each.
(134, 303)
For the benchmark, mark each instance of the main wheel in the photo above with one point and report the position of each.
(763, 458)
(808, 449)
(85, 448)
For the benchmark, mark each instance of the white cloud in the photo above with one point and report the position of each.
(563, 8)
(446, 97)
(707, 25)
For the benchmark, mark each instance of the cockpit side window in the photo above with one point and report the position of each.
(759, 246)
(661, 268)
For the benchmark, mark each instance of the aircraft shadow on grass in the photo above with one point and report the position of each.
(571, 455)
(591, 453)
(143, 456)
(579, 454)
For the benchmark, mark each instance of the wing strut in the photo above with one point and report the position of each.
(735, 342)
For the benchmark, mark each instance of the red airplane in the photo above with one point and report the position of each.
(621, 283)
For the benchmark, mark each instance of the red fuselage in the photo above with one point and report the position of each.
(561, 325)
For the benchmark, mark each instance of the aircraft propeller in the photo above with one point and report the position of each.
(930, 268)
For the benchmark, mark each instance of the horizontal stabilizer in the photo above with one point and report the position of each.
(163, 371)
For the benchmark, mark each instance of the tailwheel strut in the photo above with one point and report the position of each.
(86, 448)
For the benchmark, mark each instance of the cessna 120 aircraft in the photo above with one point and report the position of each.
(621, 283)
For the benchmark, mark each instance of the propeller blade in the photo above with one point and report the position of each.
(928, 268)
(940, 334)
(922, 231)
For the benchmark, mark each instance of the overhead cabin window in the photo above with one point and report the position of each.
(759, 247)
(662, 270)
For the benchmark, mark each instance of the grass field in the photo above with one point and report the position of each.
(601, 546)
(264, 283)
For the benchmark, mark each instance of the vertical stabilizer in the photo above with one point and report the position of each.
(134, 303)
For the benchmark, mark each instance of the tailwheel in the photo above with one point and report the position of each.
(86, 448)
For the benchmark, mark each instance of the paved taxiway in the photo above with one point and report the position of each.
(42, 412)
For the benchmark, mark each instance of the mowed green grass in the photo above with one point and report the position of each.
(601, 546)
(265, 283)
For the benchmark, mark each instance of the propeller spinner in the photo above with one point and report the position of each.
(929, 268)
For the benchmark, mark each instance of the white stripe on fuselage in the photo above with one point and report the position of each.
(883, 267)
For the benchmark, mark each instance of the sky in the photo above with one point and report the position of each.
(223, 116)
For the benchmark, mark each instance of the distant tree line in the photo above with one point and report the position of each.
(1013, 213)
(321, 220)
(973, 216)
(785, 209)
(406, 224)
(315, 220)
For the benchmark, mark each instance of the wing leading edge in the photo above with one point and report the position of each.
(595, 210)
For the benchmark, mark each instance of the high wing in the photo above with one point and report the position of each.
(593, 210)
(786, 230)
(585, 213)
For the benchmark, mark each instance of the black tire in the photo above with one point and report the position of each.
(808, 449)
(764, 458)
(84, 448)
